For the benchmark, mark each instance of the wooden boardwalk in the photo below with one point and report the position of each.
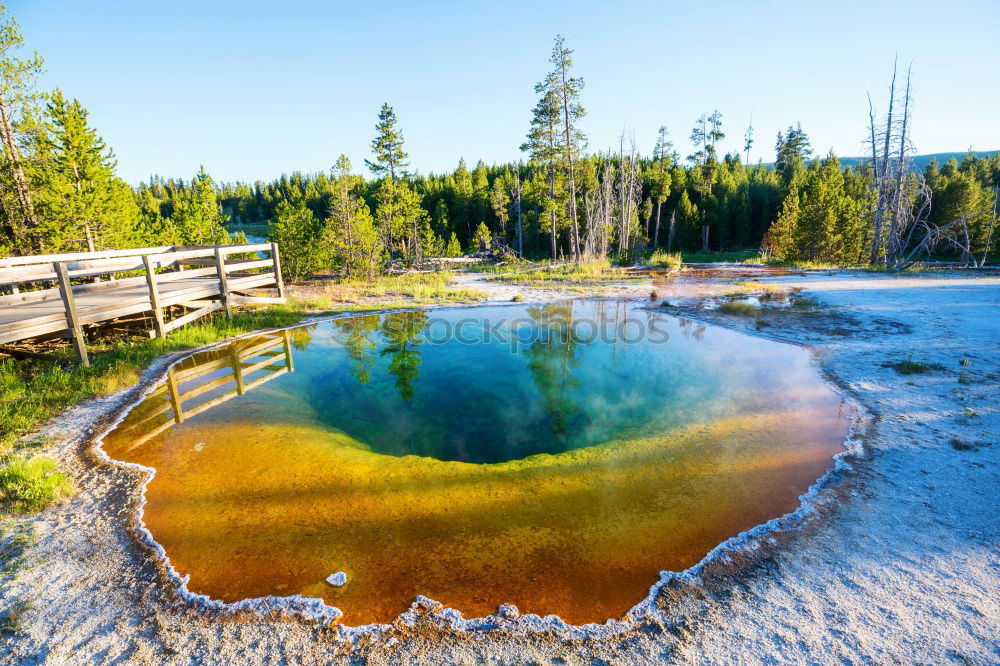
(172, 285)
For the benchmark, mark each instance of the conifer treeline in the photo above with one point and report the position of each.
(59, 192)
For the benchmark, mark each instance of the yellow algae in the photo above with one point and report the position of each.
(250, 502)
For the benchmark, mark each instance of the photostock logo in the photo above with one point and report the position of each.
(517, 332)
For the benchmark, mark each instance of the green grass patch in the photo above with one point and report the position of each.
(546, 275)
(31, 484)
(661, 259)
(805, 303)
(15, 540)
(740, 257)
(909, 367)
(747, 288)
(422, 288)
(739, 309)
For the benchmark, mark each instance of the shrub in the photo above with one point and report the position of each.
(737, 308)
(909, 367)
(13, 621)
(666, 259)
(959, 445)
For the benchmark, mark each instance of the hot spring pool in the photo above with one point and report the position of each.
(555, 457)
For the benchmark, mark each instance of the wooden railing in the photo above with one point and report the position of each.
(193, 386)
(66, 291)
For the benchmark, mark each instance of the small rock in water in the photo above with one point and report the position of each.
(338, 579)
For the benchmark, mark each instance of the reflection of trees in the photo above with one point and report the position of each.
(551, 357)
(358, 342)
(691, 329)
(401, 331)
(301, 336)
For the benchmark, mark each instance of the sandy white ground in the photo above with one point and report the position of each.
(902, 564)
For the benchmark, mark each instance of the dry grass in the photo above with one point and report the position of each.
(737, 308)
(560, 276)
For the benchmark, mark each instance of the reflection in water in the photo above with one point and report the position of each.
(552, 357)
(611, 458)
(401, 331)
(209, 379)
(357, 335)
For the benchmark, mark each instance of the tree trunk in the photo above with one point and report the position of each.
(670, 235)
(897, 212)
(880, 177)
(520, 225)
(656, 234)
(30, 222)
(574, 228)
(552, 210)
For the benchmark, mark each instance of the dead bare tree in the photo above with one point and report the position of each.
(956, 235)
(600, 205)
(629, 195)
(902, 199)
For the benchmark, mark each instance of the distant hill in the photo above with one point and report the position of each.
(920, 161)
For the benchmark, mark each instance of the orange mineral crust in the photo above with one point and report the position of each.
(261, 493)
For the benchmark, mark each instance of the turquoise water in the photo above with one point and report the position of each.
(515, 381)
(284, 457)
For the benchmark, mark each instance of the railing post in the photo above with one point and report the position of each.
(286, 342)
(76, 331)
(234, 360)
(175, 397)
(154, 296)
(220, 267)
(277, 270)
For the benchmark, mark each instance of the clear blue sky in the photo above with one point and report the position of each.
(253, 89)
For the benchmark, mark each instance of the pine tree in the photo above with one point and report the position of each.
(454, 248)
(440, 220)
(483, 237)
(350, 237)
(387, 146)
(196, 216)
(18, 225)
(543, 147)
(390, 165)
(792, 149)
(779, 241)
(500, 203)
(824, 223)
(462, 202)
(661, 176)
(79, 195)
(297, 231)
(568, 90)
